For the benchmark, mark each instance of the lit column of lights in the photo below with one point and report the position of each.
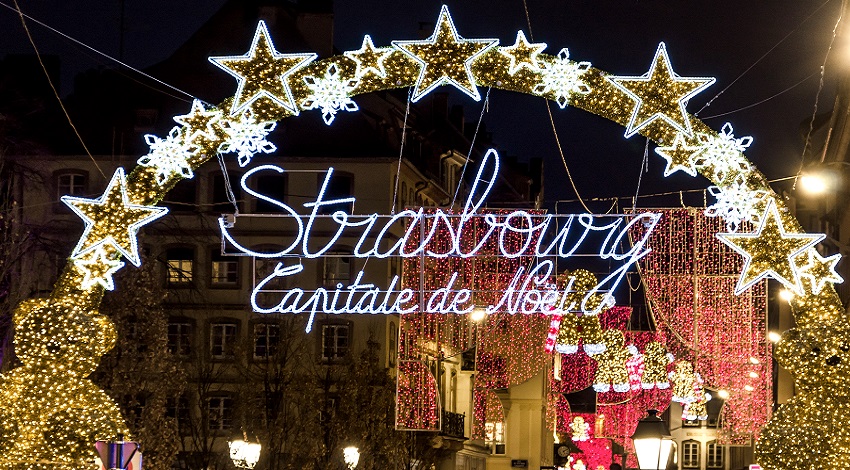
(486, 408)
(416, 398)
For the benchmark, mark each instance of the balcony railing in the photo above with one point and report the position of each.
(453, 424)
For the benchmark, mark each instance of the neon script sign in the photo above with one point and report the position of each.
(416, 234)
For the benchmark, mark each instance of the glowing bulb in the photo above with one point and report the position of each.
(723, 394)
(786, 295)
(748, 388)
(774, 337)
(478, 315)
(754, 360)
(813, 184)
(753, 375)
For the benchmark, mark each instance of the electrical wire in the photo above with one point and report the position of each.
(484, 108)
(762, 101)
(401, 149)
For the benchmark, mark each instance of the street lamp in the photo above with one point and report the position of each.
(351, 455)
(817, 178)
(653, 442)
(245, 454)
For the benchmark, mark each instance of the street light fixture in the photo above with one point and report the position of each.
(653, 442)
(245, 454)
(351, 455)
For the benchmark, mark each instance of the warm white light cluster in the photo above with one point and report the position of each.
(723, 153)
(247, 137)
(562, 77)
(330, 94)
(736, 203)
(97, 268)
(169, 156)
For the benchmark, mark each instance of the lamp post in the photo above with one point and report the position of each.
(244, 454)
(351, 455)
(653, 442)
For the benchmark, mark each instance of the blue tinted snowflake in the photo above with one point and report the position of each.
(723, 154)
(169, 156)
(736, 203)
(330, 94)
(563, 78)
(246, 137)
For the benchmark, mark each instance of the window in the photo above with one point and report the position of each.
(336, 341)
(178, 409)
(179, 265)
(336, 268)
(179, 336)
(72, 183)
(690, 454)
(341, 185)
(220, 413)
(714, 455)
(273, 185)
(393, 344)
(220, 201)
(494, 437)
(223, 339)
(266, 339)
(224, 270)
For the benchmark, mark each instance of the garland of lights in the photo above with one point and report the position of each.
(273, 86)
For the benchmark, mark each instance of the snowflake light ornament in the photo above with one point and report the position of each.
(563, 78)
(736, 203)
(723, 153)
(246, 137)
(330, 94)
(169, 156)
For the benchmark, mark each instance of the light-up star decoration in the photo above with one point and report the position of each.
(369, 59)
(445, 58)
(200, 121)
(679, 156)
(819, 270)
(523, 55)
(770, 251)
(112, 220)
(263, 72)
(660, 94)
(97, 268)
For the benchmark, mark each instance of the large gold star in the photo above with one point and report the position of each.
(679, 156)
(660, 94)
(770, 251)
(199, 122)
(112, 219)
(819, 270)
(445, 58)
(522, 54)
(369, 58)
(263, 72)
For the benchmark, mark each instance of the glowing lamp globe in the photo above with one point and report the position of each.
(245, 454)
(351, 455)
(478, 315)
(813, 184)
(653, 442)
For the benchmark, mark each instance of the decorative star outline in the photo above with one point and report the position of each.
(819, 270)
(199, 121)
(445, 58)
(650, 93)
(112, 219)
(369, 58)
(770, 251)
(679, 156)
(522, 54)
(98, 268)
(263, 72)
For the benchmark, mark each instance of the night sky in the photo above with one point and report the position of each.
(720, 38)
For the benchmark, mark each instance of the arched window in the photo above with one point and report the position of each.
(690, 454)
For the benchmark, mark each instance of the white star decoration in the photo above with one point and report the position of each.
(522, 54)
(98, 268)
(819, 270)
(330, 94)
(369, 58)
(169, 156)
(445, 58)
(112, 219)
(660, 94)
(563, 78)
(263, 72)
(770, 251)
(199, 121)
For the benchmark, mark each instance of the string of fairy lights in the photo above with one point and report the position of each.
(48, 403)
